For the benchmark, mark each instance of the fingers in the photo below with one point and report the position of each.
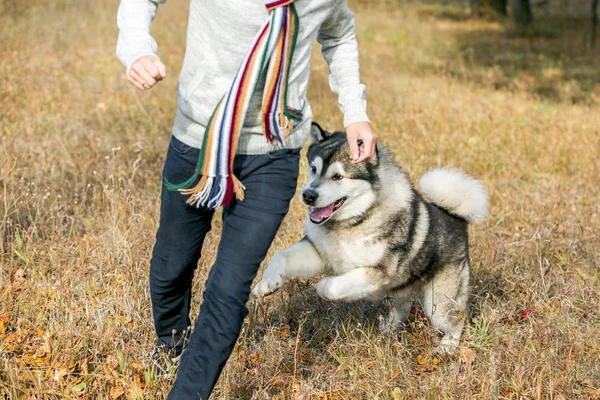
(134, 78)
(139, 77)
(353, 143)
(151, 68)
(367, 149)
(147, 79)
(162, 70)
(146, 72)
(362, 141)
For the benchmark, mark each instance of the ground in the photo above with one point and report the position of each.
(80, 171)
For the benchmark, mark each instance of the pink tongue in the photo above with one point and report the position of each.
(319, 214)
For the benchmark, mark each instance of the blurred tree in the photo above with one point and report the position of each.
(498, 6)
(594, 23)
(522, 12)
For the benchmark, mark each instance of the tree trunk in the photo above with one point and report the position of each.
(475, 6)
(522, 12)
(594, 23)
(499, 6)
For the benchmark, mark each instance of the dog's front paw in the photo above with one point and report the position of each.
(328, 290)
(267, 285)
(272, 279)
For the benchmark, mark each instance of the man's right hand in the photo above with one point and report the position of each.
(146, 71)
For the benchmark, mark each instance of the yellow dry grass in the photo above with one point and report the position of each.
(80, 170)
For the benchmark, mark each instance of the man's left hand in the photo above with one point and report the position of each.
(364, 132)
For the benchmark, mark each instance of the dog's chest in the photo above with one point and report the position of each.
(347, 250)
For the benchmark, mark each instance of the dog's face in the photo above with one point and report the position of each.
(337, 189)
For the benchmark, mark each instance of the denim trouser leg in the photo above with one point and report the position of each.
(248, 230)
(181, 232)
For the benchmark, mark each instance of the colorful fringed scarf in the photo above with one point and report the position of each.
(272, 51)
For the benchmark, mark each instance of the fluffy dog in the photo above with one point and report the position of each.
(374, 235)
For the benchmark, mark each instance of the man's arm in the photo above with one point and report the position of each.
(337, 37)
(135, 47)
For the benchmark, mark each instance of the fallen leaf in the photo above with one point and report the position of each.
(290, 368)
(136, 366)
(135, 393)
(467, 356)
(592, 393)
(109, 371)
(277, 382)
(116, 392)
(112, 361)
(3, 323)
(284, 332)
(59, 373)
(306, 356)
(137, 383)
(397, 394)
(46, 347)
(330, 395)
(79, 387)
(256, 358)
(426, 364)
(83, 364)
(422, 359)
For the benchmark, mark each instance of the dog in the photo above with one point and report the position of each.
(373, 234)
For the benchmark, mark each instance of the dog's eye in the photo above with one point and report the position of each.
(313, 169)
(337, 177)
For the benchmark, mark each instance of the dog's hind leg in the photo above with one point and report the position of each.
(403, 300)
(301, 260)
(444, 300)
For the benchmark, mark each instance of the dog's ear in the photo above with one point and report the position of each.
(317, 134)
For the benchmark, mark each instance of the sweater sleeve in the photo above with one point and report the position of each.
(134, 19)
(337, 37)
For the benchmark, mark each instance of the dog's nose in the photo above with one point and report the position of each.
(309, 196)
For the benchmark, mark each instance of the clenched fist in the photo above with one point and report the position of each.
(146, 71)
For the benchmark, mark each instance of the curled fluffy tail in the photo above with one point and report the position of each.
(456, 192)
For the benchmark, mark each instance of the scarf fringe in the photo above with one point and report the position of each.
(211, 192)
(238, 188)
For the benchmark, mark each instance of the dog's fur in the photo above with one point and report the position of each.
(384, 238)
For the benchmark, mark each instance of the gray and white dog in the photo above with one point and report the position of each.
(374, 235)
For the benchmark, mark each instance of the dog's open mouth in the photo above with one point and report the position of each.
(320, 215)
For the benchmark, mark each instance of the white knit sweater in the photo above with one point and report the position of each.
(219, 35)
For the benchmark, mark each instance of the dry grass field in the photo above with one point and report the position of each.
(81, 154)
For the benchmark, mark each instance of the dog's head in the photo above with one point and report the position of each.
(337, 188)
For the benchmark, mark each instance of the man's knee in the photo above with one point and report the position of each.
(228, 291)
(171, 271)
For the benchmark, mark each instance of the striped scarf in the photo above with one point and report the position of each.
(271, 51)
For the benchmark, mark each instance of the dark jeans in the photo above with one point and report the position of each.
(249, 227)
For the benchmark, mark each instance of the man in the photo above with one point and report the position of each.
(222, 37)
